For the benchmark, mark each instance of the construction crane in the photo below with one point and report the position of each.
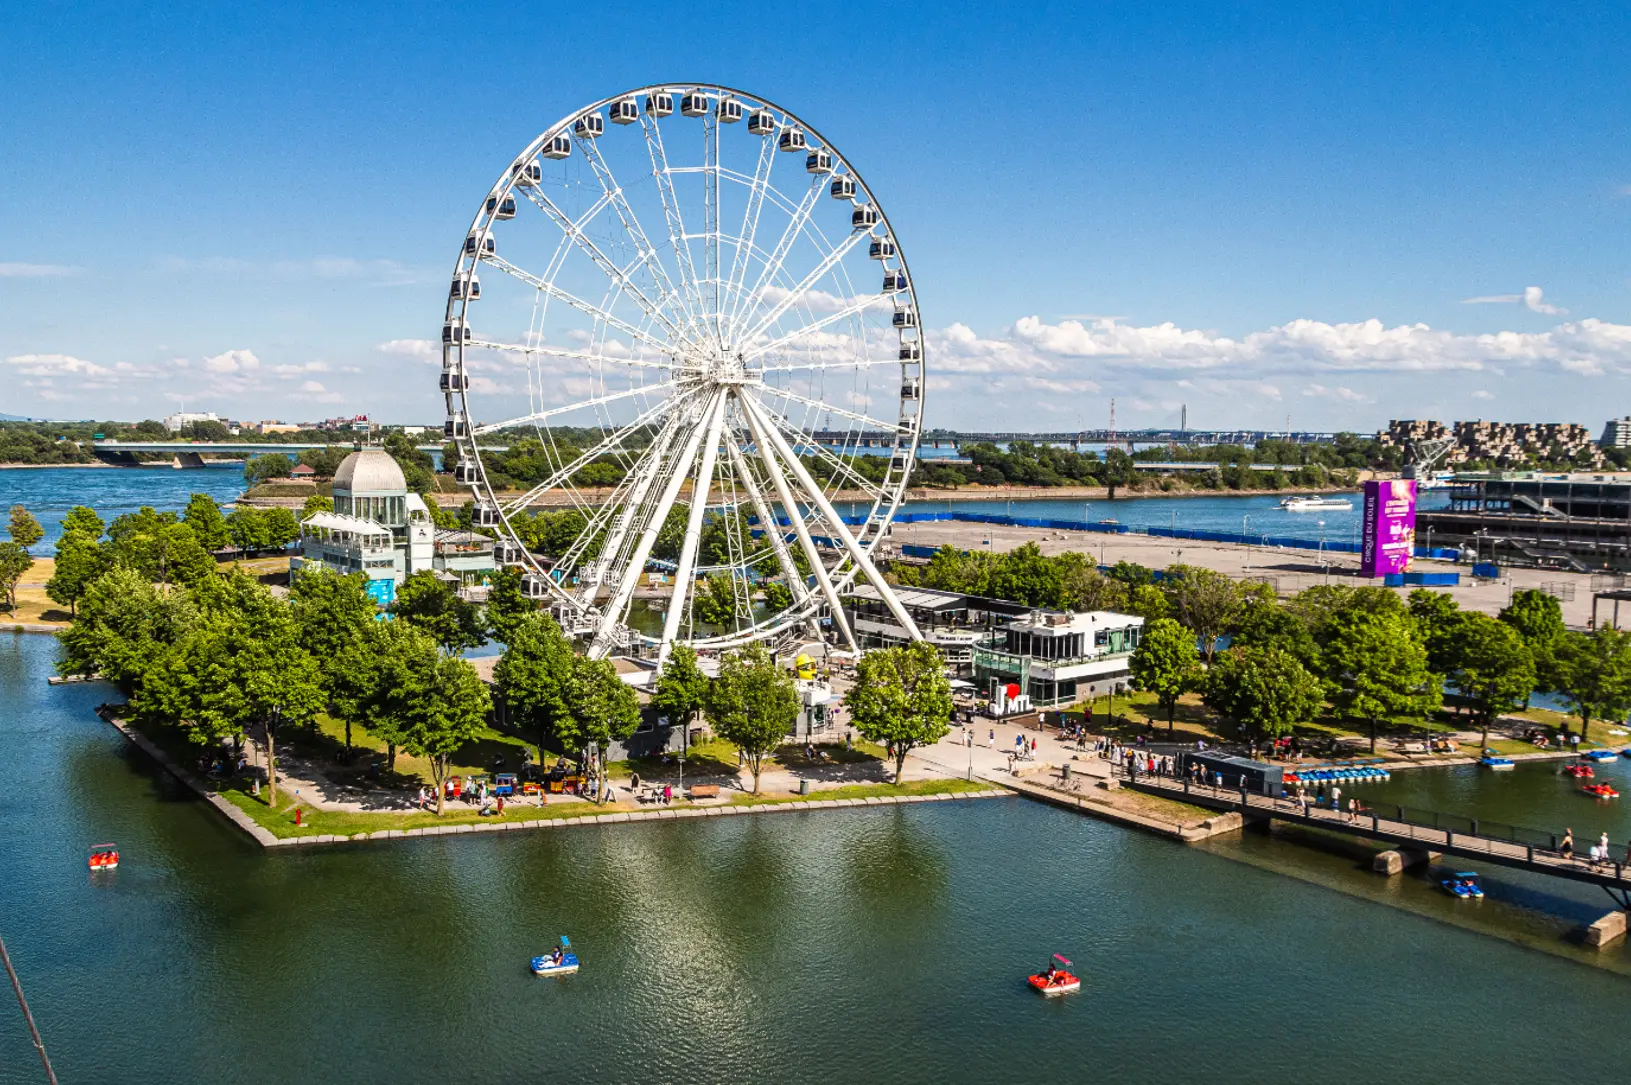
(1425, 455)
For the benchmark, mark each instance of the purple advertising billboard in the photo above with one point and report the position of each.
(1389, 528)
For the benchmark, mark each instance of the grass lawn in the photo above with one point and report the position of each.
(947, 786)
(326, 742)
(280, 820)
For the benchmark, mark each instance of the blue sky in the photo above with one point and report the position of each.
(1164, 203)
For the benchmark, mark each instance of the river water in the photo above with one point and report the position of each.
(49, 492)
(882, 944)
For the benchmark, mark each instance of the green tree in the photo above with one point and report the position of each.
(125, 623)
(753, 704)
(1265, 690)
(713, 601)
(1084, 588)
(430, 604)
(1538, 618)
(451, 709)
(778, 596)
(316, 503)
(333, 613)
(901, 698)
(84, 520)
(1264, 624)
(248, 529)
(1492, 668)
(25, 530)
(79, 562)
(14, 562)
(682, 689)
(601, 709)
(1204, 600)
(266, 467)
(1376, 668)
(534, 677)
(1148, 602)
(281, 527)
(1593, 673)
(203, 515)
(377, 682)
(1166, 664)
(1438, 619)
(507, 606)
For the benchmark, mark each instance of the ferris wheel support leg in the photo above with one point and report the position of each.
(773, 532)
(807, 544)
(686, 569)
(613, 613)
(862, 561)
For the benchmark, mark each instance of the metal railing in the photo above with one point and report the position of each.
(1432, 828)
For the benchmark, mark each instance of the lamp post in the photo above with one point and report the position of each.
(1324, 562)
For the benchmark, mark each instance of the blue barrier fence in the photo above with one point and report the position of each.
(1286, 542)
(1425, 580)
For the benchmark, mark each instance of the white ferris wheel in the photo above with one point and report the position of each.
(687, 319)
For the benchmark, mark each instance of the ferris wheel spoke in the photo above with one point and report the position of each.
(784, 244)
(539, 416)
(887, 427)
(576, 355)
(685, 569)
(574, 230)
(604, 446)
(804, 286)
(673, 219)
(772, 527)
(836, 463)
(614, 612)
(742, 258)
(839, 528)
(630, 507)
(549, 288)
(710, 201)
(647, 253)
(762, 439)
(856, 305)
(851, 363)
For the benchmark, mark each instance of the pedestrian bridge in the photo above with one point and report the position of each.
(1513, 846)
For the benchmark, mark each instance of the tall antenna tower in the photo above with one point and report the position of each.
(1183, 418)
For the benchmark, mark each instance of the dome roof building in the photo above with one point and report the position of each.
(386, 533)
(370, 471)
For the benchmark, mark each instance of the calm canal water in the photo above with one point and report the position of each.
(873, 945)
(49, 492)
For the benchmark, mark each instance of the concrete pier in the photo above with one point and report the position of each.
(1607, 930)
(1399, 860)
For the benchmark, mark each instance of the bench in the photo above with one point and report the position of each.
(705, 791)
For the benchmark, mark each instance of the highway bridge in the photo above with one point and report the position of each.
(192, 453)
(1075, 439)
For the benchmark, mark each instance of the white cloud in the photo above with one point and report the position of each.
(296, 370)
(1340, 393)
(14, 270)
(232, 361)
(55, 365)
(312, 386)
(1302, 347)
(423, 349)
(1533, 298)
(1482, 394)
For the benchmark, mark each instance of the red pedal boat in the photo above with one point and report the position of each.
(104, 856)
(1600, 791)
(1056, 980)
(1579, 772)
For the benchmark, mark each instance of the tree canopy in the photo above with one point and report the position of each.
(754, 704)
(1166, 664)
(1265, 690)
(901, 699)
(1593, 673)
(1376, 668)
(1491, 667)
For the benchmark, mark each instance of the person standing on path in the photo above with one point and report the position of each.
(1566, 849)
(1336, 798)
(991, 737)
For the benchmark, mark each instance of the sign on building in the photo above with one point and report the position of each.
(1388, 532)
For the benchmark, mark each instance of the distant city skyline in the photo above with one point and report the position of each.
(1344, 214)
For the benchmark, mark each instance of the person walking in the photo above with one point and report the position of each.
(1566, 849)
(991, 737)
(1336, 798)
